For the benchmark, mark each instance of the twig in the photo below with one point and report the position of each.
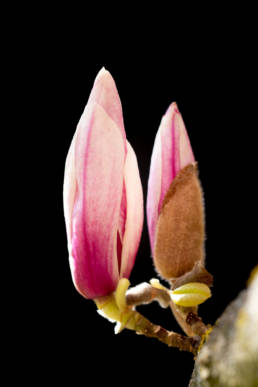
(189, 320)
(145, 294)
(145, 327)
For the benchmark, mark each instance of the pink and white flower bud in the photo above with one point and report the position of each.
(171, 152)
(103, 200)
(174, 200)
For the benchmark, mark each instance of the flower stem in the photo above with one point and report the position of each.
(189, 320)
(145, 294)
(145, 327)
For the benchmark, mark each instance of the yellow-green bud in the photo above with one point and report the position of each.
(191, 294)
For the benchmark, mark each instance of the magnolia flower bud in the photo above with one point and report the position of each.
(103, 201)
(175, 211)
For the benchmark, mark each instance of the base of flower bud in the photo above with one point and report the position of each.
(115, 308)
(184, 301)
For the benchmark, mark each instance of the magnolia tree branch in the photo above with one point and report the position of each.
(119, 307)
(187, 318)
(144, 293)
(229, 358)
(172, 339)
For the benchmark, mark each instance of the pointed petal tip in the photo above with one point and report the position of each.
(173, 108)
(174, 105)
(102, 74)
(105, 93)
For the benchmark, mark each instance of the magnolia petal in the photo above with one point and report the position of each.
(154, 189)
(134, 213)
(172, 151)
(69, 192)
(105, 93)
(176, 148)
(70, 183)
(99, 164)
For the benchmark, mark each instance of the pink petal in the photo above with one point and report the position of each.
(99, 162)
(105, 93)
(121, 226)
(176, 148)
(69, 191)
(154, 188)
(134, 213)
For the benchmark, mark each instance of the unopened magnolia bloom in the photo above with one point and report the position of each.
(174, 202)
(103, 201)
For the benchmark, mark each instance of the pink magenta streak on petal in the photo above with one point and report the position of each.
(100, 177)
(154, 188)
(176, 148)
(82, 273)
(167, 150)
(186, 155)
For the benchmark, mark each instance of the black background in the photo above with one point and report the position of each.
(213, 79)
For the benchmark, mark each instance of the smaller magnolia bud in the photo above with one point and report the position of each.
(179, 241)
(175, 210)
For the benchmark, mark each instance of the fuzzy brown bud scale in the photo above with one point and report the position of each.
(180, 232)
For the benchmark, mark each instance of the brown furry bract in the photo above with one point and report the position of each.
(180, 231)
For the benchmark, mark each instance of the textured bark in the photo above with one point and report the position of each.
(144, 327)
(229, 358)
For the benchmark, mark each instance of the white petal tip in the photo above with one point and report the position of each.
(102, 73)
